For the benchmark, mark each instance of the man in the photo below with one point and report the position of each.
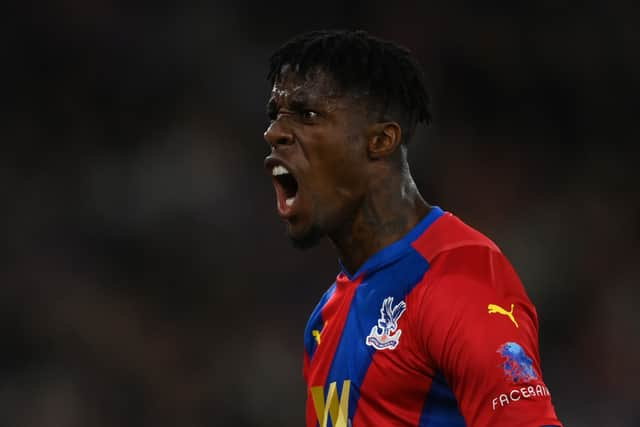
(427, 324)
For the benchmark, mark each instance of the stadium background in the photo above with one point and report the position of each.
(147, 280)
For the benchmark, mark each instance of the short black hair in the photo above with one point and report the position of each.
(361, 64)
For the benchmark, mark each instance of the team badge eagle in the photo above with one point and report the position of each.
(386, 335)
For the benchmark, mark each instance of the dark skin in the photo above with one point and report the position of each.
(354, 183)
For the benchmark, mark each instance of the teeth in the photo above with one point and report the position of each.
(289, 201)
(279, 170)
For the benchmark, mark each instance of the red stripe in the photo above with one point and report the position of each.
(335, 313)
(385, 392)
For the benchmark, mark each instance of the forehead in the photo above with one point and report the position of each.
(314, 85)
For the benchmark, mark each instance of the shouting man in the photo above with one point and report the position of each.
(427, 324)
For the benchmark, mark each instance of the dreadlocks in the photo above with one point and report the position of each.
(361, 65)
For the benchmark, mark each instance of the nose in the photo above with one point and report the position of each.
(278, 134)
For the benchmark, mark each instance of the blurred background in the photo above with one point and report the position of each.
(147, 280)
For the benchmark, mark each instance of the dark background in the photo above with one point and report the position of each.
(148, 280)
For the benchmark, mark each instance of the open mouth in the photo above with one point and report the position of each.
(286, 188)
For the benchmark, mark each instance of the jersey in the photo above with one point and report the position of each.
(434, 330)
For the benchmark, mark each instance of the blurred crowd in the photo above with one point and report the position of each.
(148, 280)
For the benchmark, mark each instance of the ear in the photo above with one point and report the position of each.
(384, 140)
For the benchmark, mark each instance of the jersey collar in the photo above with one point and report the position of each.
(396, 250)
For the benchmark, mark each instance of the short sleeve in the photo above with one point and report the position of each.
(481, 332)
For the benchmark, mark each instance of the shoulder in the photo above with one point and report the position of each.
(447, 234)
(466, 269)
(457, 252)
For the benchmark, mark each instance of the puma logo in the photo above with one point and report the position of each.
(494, 308)
(318, 332)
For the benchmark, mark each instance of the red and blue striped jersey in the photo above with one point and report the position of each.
(434, 330)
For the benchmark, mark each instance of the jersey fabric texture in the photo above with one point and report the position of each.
(434, 330)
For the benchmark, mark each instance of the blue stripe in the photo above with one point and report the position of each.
(315, 322)
(440, 407)
(396, 250)
(353, 356)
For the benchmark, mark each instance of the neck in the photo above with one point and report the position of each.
(390, 209)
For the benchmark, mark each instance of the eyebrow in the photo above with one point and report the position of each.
(298, 103)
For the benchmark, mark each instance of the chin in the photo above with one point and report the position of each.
(307, 239)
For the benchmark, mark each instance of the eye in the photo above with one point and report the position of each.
(309, 114)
